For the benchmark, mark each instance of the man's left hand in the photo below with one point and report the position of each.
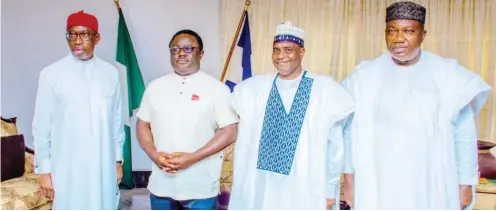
(119, 173)
(330, 203)
(465, 196)
(182, 160)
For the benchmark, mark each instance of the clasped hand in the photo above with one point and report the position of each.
(173, 162)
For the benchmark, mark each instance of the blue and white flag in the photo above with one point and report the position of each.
(240, 66)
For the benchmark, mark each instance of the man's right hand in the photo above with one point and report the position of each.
(161, 160)
(348, 189)
(46, 186)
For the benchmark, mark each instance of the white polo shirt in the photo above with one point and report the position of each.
(184, 113)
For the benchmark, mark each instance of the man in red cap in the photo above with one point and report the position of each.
(85, 26)
(78, 125)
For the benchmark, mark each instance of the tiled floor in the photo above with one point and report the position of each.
(135, 199)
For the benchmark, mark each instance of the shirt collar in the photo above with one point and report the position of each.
(187, 77)
(80, 61)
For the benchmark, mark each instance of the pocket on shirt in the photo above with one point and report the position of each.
(106, 93)
(106, 98)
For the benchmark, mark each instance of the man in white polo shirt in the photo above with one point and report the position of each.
(184, 122)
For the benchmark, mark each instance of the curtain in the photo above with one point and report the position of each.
(339, 34)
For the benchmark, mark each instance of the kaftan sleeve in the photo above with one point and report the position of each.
(467, 88)
(466, 147)
(350, 86)
(348, 166)
(335, 160)
(42, 124)
(468, 93)
(118, 124)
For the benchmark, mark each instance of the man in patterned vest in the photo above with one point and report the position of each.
(289, 150)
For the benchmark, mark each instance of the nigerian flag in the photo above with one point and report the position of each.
(133, 92)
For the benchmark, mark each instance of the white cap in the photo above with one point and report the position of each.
(288, 29)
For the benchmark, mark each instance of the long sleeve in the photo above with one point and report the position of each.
(335, 160)
(466, 147)
(118, 124)
(351, 86)
(348, 166)
(42, 124)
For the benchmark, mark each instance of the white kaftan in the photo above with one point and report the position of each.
(412, 140)
(314, 173)
(78, 132)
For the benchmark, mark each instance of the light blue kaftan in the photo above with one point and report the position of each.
(412, 140)
(78, 132)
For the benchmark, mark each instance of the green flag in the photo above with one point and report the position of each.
(134, 86)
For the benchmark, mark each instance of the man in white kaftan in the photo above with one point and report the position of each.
(289, 150)
(412, 142)
(78, 124)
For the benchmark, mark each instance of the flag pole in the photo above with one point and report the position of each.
(226, 65)
(117, 4)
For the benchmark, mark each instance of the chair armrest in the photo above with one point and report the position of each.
(28, 161)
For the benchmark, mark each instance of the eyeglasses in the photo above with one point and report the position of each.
(187, 49)
(85, 36)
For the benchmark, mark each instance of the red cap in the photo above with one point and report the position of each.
(82, 19)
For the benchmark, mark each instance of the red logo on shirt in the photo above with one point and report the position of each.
(195, 97)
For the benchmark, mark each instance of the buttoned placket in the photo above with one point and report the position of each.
(183, 85)
(181, 101)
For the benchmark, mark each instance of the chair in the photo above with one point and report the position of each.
(20, 186)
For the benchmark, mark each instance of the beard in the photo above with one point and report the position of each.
(82, 55)
(408, 58)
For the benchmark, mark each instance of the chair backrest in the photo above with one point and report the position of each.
(9, 127)
(12, 149)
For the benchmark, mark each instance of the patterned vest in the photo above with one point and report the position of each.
(281, 131)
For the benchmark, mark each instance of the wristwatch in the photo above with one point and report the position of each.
(119, 162)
